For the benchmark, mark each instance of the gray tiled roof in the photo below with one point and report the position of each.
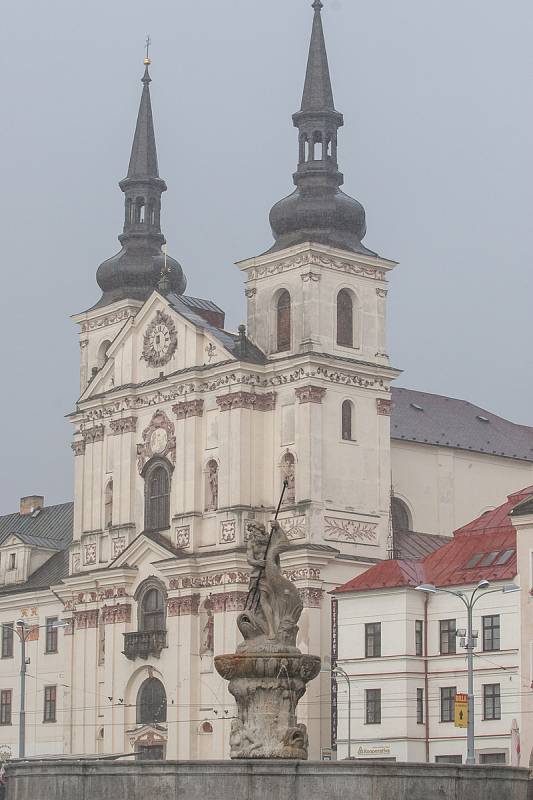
(438, 420)
(51, 529)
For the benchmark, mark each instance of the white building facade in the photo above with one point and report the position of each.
(184, 432)
(406, 661)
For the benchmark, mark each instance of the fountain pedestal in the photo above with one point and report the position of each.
(267, 688)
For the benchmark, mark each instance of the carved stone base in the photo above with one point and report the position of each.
(267, 689)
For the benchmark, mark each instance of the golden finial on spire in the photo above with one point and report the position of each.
(147, 59)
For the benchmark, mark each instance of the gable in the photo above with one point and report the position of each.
(164, 337)
(145, 549)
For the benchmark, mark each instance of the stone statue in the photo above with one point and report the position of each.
(268, 674)
(270, 621)
(212, 480)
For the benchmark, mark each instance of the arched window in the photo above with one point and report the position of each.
(152, 610)
(108, 504)
(288, 472)
(344, 318)
(211, 486)
(283, 322)
(401, 518)
(347, 420)
(151, 703)
(157, 498)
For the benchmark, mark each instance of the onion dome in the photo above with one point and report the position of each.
(318, 211)
(136, 270)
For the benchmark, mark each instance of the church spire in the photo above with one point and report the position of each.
(318, 94)
(143, 160)
(318, 211)
(136, 271)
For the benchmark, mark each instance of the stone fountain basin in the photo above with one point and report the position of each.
(268, 665)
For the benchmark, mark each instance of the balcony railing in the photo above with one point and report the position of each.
(143, 644)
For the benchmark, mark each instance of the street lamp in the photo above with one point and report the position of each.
(469, 603)
(23, 631)
(336, 670)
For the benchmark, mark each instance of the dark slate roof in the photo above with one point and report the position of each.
(52, 526)
(198, 302)
(229, 340)
(413, 545)
(447, 422)
(51, 529)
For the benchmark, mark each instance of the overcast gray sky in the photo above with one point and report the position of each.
(437, 145)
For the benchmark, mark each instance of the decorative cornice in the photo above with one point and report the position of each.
(384, 407)
(310, 394)
(183, 606)
(252, 380)
(103, 322)
(189, 408)
(236, 577)
(124, 425)
(95, 434)
(78, 447)
(317, 260)
(257, 402)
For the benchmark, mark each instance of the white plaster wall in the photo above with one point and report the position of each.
(446, 488)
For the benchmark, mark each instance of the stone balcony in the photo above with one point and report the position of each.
(142, 644)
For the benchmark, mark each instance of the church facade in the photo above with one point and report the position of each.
(185, 432)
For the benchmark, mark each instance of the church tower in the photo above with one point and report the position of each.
(185, 432)
(317, 301)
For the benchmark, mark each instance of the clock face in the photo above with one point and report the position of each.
(160, 340)
(158, 440)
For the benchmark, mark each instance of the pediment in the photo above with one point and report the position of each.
(12, 541)
(143, 550)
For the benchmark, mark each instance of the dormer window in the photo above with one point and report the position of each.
(12, 561)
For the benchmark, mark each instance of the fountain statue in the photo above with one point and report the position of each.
(268, 673)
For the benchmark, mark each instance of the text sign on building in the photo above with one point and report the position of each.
(461, 710)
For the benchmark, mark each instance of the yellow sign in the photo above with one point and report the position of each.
(461, 710)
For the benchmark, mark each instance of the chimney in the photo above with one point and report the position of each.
(34, 502)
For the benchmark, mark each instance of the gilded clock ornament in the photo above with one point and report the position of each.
(160, 340)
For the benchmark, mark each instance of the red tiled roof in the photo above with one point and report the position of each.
(492, 532)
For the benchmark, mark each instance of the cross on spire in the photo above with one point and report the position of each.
(147, 59)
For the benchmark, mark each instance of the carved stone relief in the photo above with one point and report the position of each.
(384, 407)
(78, 447)
(337, 529)
(158, 440)
(94, 434)
(183, 606)
(209, 581)
(258, 402)
(294, 527)
(103, 322)
(228, 531)
(124, 425)
(316, 259)
(183, 537)
(191, 408)
(118, 545)
(112, 615)
(310, 394)
(89, 553)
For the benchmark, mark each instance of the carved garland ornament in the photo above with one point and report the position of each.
(124, 425)
(257, 402)
(160, 340)
(318, 260)
(190, 408)
(384, 407)
(350, 530)
(158, 440)
(310, 394)
(294, 527)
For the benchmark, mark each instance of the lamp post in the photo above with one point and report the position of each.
(23, 632)
(336, 670)
(469, 602)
